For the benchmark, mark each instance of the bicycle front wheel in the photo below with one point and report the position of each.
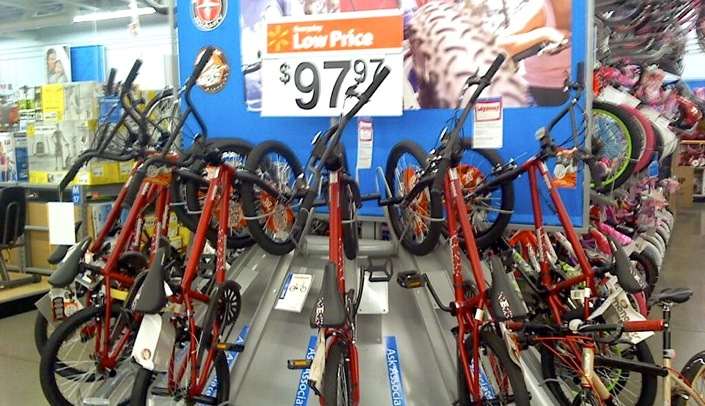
(69, 370)
(337, 382)
(629, 387)
(417, 224)
(501, 379)
(271, 217)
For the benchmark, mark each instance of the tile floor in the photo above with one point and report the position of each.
(684, 266)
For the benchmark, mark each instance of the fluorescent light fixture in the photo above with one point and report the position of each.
(111, 15)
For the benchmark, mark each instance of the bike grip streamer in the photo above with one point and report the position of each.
(205, 58)
(131, 76)
(495, 65)
(134, 188)
(644, 325)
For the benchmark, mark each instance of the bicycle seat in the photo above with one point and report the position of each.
(329, 310)
(671, 295)
(151, 297)
(66, 272)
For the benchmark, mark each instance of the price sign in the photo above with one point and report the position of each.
(311, 66)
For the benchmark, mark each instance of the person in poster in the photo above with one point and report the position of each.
(58, 64)
(541, 33)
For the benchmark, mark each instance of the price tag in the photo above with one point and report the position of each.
(313, 63)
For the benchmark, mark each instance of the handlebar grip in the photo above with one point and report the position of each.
(302, 216)
(598, 328)
(111, 82)
(127, 84)
(202, 62)
(75, 168)
(365, 97)
(134, 188)
(437, 187)
(581, 74)
(495, 66)
(644, 325)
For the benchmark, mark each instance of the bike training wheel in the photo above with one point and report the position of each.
(68, 370)
(193, 194)
(337, 382)
(505, 380)
(647, 270)
(621, 140)
(489, 215)
(448, 44)
(145, 380)
(693, 372)
(418, 225)
(630, 387)
(270, 218)
(351, 242)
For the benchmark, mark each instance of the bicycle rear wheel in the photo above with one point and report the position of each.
(337, 383)
(501, 379)
(270, 218)
(489, 215)
(418, 224)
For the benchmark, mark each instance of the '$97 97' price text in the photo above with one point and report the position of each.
(310, 83)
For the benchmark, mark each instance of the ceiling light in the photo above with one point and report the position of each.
(111, 15)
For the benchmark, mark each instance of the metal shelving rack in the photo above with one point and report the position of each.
(50, 193)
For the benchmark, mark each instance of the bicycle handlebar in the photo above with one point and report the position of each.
(482, 83)
(127, 84)
(202, 62)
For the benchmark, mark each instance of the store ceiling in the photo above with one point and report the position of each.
(18, 16)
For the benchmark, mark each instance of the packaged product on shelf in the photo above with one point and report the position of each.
(13, 157)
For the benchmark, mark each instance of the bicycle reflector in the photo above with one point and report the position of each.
(410, 279)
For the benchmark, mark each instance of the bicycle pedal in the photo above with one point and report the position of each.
(164, 392)
(410, 279)
(299, 363)
(230, 347)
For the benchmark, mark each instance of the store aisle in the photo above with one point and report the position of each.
(684, 265)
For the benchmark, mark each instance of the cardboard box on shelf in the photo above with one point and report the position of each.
(56, 146)
(125, 170)
(14, 164)
(685, 176)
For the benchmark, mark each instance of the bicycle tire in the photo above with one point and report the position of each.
(336, 364)
(145, 378)
(632, 138)
(693, 371)
(252, 197)
(586, 397)
(647, 270)
(484, 238)
(50, 366)
(41, 331)
(351, 243)
(490, 342)
(194, 192)
(647, 154)
(414, 226)
(647, 390)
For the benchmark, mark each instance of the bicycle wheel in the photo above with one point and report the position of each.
(41, 331)
(489, 215)
(501, 378)
(337, 383)
(694, 373)
(418, 224)
(149, 386)
(629, 387)
(68, 371)
(647, 270)
(270, 218)
(234, 153)
(351, 241)
(621, 143)
(586, 397)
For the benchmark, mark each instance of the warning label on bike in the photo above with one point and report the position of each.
(294, 292)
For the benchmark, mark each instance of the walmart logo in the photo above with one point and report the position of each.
(277, 38)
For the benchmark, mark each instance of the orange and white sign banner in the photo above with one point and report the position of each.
(310, 63)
